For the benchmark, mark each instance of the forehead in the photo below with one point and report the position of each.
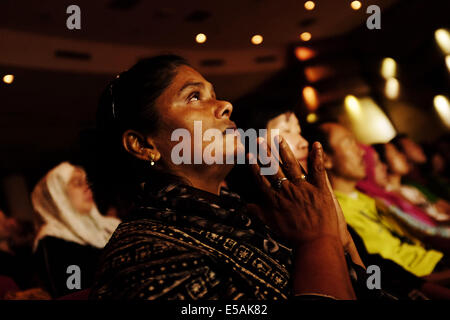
(186, 74)
(338, 133)
(77, 173)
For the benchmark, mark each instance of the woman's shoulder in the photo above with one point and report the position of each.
(145, 235)
(51, 241)
(55, 244)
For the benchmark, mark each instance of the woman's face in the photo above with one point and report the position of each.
(380, 172)
(396, 160)
(413, 151)
(438, 163)
(188, 99)
(79, 193)
(290, 129)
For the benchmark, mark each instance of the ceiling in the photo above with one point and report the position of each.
(174, 24)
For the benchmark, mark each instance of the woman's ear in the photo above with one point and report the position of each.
(139, 146)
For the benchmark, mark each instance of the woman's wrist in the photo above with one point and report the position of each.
(320, 267)
(309, 241)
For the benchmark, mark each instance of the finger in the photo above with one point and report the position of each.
(317, 173)
(302, 169)
(290, 166)
(266, 157)
(264, 185)
(261, 180)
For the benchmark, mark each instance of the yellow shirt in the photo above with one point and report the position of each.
(380, 238)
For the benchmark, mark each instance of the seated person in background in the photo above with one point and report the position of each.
(70, 230)
(8, 226)
(398, 167)
(16, 238)
(286, 122)
(417, 176)
(289, 128)
(376, 185)
(379, 240)
(436, 170)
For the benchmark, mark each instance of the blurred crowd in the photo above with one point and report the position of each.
(68, 230)
(395, 198)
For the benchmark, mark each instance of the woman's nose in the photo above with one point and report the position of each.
(224, 110)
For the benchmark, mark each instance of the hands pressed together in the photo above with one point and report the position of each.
(305, 212)
(301, 209)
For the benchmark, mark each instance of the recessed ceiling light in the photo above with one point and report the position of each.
(8, 79)
(200, 38)
(309, 5)
(356, 5)
(442, 37)
(257, 39)
(311, 118)
(442, 106)
(304, 53)
(305, 36)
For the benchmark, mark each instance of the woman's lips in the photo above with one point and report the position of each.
(231, 130)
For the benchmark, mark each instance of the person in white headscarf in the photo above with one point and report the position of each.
(70, 229)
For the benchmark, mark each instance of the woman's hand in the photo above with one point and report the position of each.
(304, 213)
(300, 210)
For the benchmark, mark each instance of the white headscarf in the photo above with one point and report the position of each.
(60, 219)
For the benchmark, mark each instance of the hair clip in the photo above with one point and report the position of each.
(112, 96)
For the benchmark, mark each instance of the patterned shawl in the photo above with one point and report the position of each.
(185, 243)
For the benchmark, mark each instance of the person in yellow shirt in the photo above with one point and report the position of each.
(345, 167)
(383, 237)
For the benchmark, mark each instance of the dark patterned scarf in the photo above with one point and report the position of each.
(184, 243)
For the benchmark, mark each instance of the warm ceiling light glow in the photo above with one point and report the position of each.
(356, 5)
(388, 68)
(304, 53)
(200, 38)
(311, 98)
(442, 37)
(311, 118)
(369, 123)
(447, 62)
(352, 105)
(309, 5)
(305, 36)
(257, 39)
(8, 79)
(442, 106)
(318, 72)
(392, 88)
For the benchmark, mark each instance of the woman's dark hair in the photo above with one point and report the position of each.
(380, 148)
(397, 141)
(316, 132)
(128, 102)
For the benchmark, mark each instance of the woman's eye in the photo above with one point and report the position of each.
(195, 96)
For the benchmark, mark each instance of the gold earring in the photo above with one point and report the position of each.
(152, 161)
